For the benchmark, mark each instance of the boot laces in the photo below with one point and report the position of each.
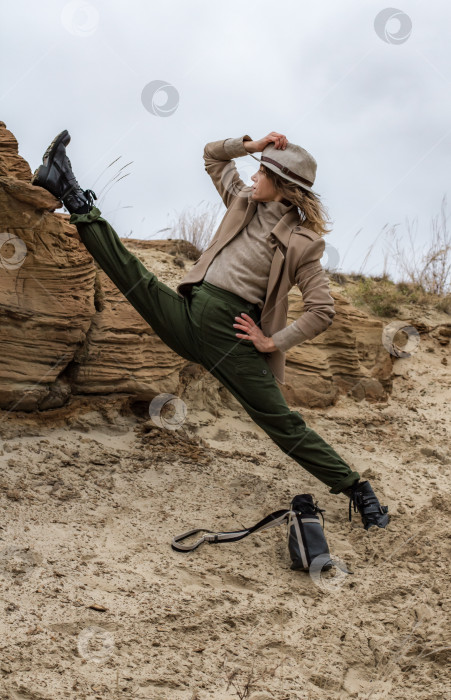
(361, 501)
(90, 196)
(74, 188)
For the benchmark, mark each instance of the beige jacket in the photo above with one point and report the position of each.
(296, 260)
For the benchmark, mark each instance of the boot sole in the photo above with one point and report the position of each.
(39, 178)
(383, 522)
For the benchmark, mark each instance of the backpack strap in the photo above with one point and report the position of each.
(271, 520)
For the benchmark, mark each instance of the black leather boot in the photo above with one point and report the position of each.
(55, 175)
(362, 496)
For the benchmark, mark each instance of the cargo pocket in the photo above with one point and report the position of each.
(252, 366)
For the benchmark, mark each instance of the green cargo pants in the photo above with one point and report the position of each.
(199, 327)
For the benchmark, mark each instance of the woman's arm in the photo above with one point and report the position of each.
(319, 311)
(221, 168)
(219, 165)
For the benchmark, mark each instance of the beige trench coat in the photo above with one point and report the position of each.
(295, 261)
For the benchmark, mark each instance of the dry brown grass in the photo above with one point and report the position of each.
(430, 270)
(196, 225)
(425, 269)
(385, 297)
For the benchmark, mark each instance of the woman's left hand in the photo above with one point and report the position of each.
(252, 332)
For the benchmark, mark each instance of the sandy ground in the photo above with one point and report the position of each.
(96, 604)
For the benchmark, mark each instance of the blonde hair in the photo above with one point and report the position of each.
(312, 212)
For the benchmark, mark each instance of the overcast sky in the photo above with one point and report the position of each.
(370, 102)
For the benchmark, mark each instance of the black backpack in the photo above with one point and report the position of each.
(306, 540)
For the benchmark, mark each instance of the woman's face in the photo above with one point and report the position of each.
(263, 190)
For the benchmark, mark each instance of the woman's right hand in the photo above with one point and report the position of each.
(279, 140)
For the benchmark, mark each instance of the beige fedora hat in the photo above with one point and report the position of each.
(294, 164)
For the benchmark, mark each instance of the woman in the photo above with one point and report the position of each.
(229, 311)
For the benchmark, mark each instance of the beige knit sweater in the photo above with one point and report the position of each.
(243, 265)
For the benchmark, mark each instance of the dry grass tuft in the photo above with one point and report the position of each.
(196, 225)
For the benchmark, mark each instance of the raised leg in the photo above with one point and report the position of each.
(162, 308)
